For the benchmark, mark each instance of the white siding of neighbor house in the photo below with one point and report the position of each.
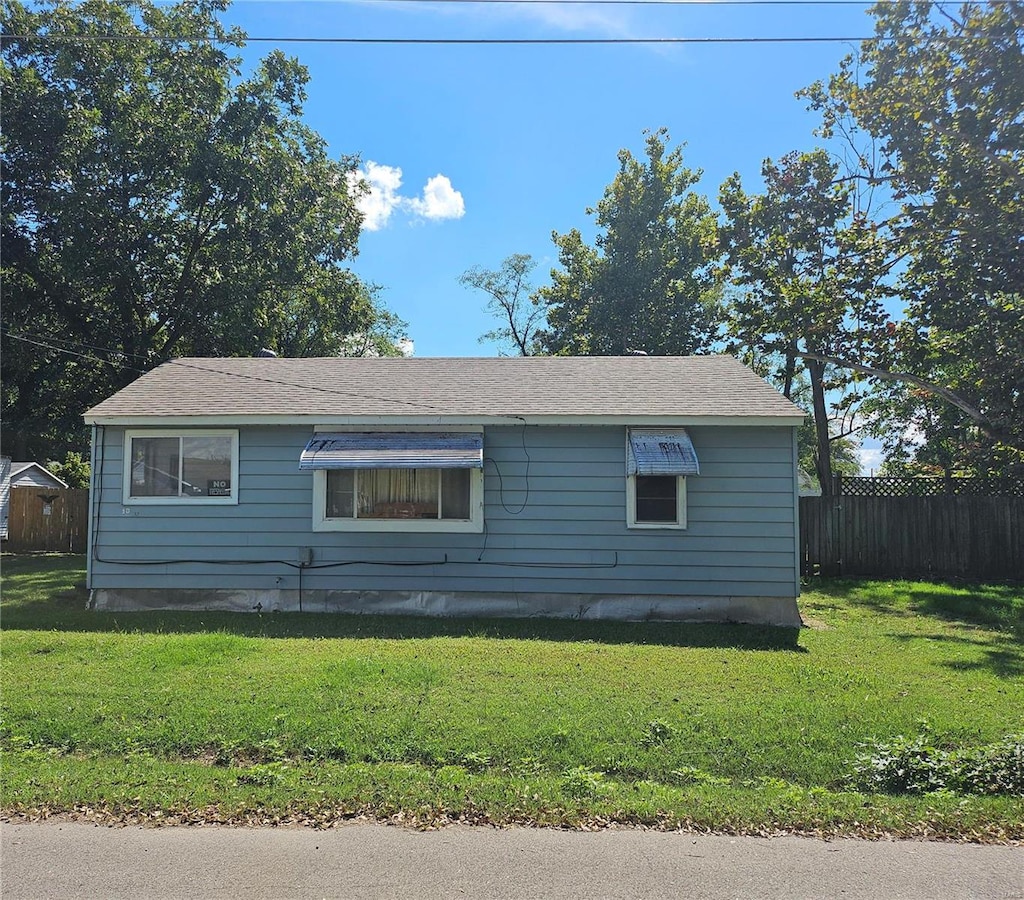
(33, 478)
(5, 494)
(570, 537)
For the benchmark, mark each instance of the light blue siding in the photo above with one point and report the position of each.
(570, 537)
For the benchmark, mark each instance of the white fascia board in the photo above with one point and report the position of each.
(41, 469)
(320, 421)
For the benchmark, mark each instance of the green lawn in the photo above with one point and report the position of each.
(246, 718)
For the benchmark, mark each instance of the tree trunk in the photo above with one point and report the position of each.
(789, 373)
(823, 457)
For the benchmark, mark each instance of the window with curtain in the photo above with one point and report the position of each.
(442, 494)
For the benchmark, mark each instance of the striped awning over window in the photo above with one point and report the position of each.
(394, 450)
(661, 451)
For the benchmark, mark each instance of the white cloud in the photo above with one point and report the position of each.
(577, 17)
(438, 201)
(914, 435)
(574, 18)
(382, 197)
(870, 458)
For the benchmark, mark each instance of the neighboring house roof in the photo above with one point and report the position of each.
(33, 474)
(552, 388)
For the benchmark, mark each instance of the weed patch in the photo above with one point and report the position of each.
(917, 766)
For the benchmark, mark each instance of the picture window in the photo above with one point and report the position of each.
(200, 467)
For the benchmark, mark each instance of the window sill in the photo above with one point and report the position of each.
(180, 501)
(420, 526)
(656, 526)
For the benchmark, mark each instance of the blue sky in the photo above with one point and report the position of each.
(500, 145)
(528, 135)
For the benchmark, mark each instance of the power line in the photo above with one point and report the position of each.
(284, 39)
(111, 350)
(679, 2)
(177, 362)
(298, 39)
(48, 346)
(307, 39)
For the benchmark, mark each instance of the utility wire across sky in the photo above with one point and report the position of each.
(864, 3)
(754, 39)
(285, 39)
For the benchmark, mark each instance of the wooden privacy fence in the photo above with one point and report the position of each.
(51, 519)
(924, 536)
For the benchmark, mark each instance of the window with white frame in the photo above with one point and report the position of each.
(656, 501)
(396, 481)
(194, 467)
(657, 464)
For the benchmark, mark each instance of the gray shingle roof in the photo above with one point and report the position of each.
(564, 387)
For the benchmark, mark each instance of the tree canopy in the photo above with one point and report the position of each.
(940, 94)
(156, 203)
(805, 267)
(648, 283)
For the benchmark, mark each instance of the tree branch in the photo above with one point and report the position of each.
(944, 393)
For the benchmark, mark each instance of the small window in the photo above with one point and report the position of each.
(658, 461)
(194, 467)
(656, 501)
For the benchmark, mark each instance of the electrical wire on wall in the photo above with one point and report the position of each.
(526, 476)
(100, 444)
(501, 486)
(97, 501)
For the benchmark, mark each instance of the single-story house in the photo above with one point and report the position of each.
(35, 475)
(619, 487)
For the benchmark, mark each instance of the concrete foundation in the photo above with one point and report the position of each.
(780, 611)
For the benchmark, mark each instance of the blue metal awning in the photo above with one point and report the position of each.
(662, 451)
(394, 450)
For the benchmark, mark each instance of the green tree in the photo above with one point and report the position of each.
(157, 204)
(511, 301)
(941, 94)
(74, 470)
(807, 272)
(648, 284)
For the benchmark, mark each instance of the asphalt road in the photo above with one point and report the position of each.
(81, 860)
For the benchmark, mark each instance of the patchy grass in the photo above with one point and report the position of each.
(238, 718)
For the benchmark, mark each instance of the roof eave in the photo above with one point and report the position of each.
(320, 420)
